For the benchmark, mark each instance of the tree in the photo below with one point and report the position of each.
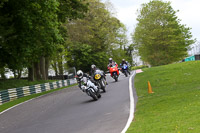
(99, 33)
(68, 10)
(159, 36)
(30, 32)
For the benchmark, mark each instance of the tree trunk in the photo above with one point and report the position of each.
(15, 75)
(42, 68)
(19, 73)
(2, 72)
(47, 67)
(60, 67)
(54, 65)
(37, 73)
(3, 75)
(31, 73)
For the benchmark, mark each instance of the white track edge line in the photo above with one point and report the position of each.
(131, 113)
(17, 105)
(23, 102)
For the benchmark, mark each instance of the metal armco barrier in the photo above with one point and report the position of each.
(15, 93)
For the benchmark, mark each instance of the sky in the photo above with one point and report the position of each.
(189, 13)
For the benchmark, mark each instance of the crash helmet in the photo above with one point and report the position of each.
(79, 74)
(110, 60)
(123, 60)
(93, 67)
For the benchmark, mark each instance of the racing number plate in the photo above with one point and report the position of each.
(97, 76)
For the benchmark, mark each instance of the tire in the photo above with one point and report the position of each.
(93, 95)
(125, 73)
(116, 78)
(103, 86)
(129, 73)
(99, 84)
(99, 95)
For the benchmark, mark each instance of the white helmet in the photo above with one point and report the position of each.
(93, 66)
(110, 60)
(79, 74)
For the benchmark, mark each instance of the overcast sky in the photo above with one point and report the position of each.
(189, 13)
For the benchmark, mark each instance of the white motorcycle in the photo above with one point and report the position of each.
(90, 88)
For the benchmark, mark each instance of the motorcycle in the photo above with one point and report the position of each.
(100, 79)
(124, 69)
(90, 89)
(114, 72)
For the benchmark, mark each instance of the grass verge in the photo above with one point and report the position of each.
(23, 99)
(138, 67)
(14, 83)
(174, 107)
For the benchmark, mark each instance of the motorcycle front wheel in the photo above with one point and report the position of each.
(116, 78)
(103, 86)
(93, 95)
(125, 73)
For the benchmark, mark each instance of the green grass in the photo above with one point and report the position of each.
(139, 67)
(8, 84)
(174, 107)
(23, 99)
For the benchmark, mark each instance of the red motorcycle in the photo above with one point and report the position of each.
(114, 71)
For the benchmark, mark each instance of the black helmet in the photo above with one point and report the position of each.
(79, 74)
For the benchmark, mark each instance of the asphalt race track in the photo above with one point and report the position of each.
(72, 111)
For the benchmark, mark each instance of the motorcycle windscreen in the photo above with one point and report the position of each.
(125, 66)
(84, 80)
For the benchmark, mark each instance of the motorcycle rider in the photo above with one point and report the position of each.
(80, 76)
(93, 69)
(125, 62)
(111, 63)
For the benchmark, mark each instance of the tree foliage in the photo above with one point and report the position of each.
(30, 31)
(35, 33)
(92, 40)
(159, 36)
